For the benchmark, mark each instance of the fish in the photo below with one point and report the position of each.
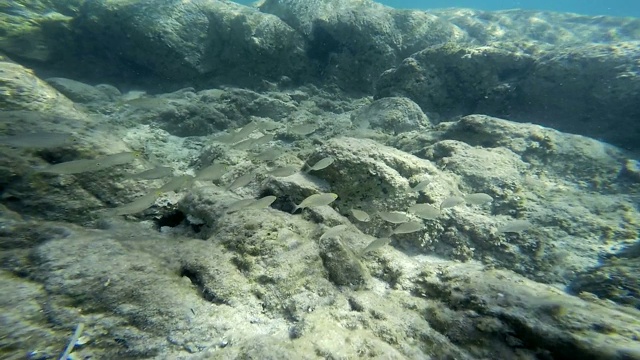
(333, 231)
(155, 173)
(393, 217)
(283, 171)
(269, 154)
(87, 165)
(408, 227)
(478, 199)
(268, 125)
(515, 226)
(225, 138)
(451, 202)
(246, 204)
(316, 200)
(244, 144)
(177, 183)
(264, 139)
(302, 129)
(133, 95)
(212, 172)
(251, 142)
(122, 158)
(360, 215)
(263, 202)
(139, 204)
(424, 211)
(321, 164)
(245, 131)
(148, 103)
(241, 181)
(72, 167)
(38, 140)
(375, 245)
(239, 205)
(421, 185)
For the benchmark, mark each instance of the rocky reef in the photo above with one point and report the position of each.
(317, 180)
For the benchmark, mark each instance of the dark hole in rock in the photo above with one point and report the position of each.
(172, 219)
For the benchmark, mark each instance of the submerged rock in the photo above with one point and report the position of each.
(21, 89)
(393, 115)
(78, 91)
(353, 41)
(457, 79)
(586, 86)
(219, 39)
(34, 30)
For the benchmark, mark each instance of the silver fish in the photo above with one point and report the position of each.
(515, 226)
(263, 202)
(321, 164)
(421, 185)
(122, 158)
(268, 125)
(264, 139)
(177, 183)
(375, 245)
(155, 173)
(239, 205)
(316, 200)
(284, 171)
(360, 215)
(478, 199)
(408, 227)
(72, 167)
(139, 204)
(451, 202)
(225, 138)
(38, 140)
(241, 181)
(424, 211)
(302, 129)
(87, 165)
(244, 144)
(393, 217)
(245, 131)
(269, 154)
(212, 172)
(333, 231)
(245, 204)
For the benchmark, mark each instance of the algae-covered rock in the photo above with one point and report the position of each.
(369, 175)
(457, 79)
(615, 280)
(498, 306)
(33, 29)
(566, 155)
(392, 115)
(21, 89)
(190, 39)
(342, 264)
(78, 91)
(354, 41)
(495, 79)
(599, 83)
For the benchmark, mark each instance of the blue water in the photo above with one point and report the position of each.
(587, 7)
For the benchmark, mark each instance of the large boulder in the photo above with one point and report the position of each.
(573, 73)
(21, 89)
(36, 29)
(456, 79)
(351, 42)
(186, 40)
